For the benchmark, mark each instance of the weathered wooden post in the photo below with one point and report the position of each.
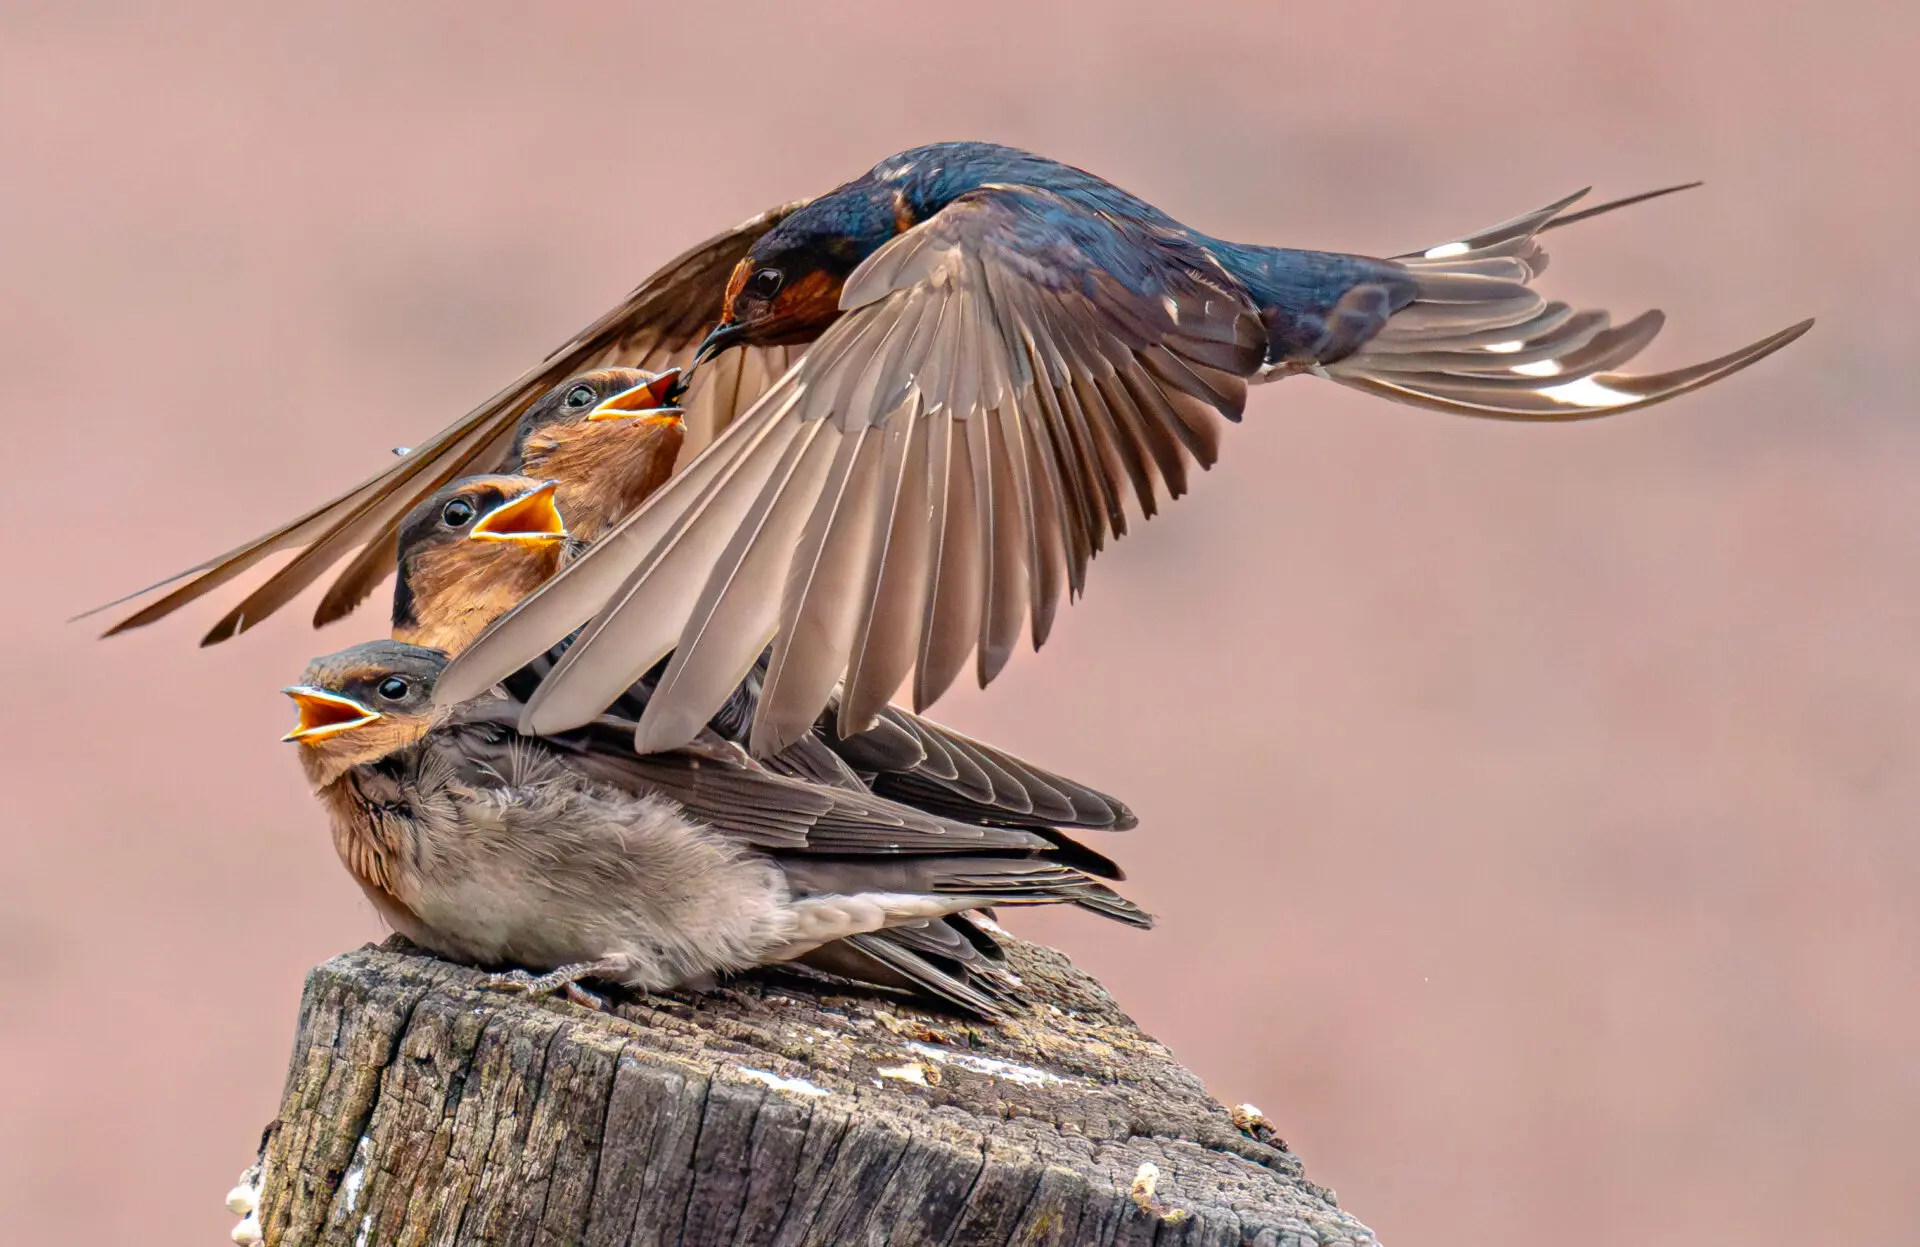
(421, 1108)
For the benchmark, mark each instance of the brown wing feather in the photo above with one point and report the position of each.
(824, 585)
(363, 575)
(888, 632)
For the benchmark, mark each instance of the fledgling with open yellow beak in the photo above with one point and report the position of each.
(574, 857)
(468, 554)
(608, 437)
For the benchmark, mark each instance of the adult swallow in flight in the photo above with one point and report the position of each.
(1001, 353)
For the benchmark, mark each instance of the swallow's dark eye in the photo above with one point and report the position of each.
(457, 512)
(579, 396)
(764, 284)
(393, 688)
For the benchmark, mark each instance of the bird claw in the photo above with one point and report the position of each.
(565, 980)
(586, 999)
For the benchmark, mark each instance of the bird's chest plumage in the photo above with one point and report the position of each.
(604, 473)
(373, 838)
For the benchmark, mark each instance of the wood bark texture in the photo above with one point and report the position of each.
(422, 1107)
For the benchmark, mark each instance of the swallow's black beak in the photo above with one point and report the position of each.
(722, 336)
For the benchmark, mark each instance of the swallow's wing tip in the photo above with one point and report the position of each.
(112, 629)
(139, 619)
(125, 598)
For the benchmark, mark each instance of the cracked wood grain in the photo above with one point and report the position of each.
(422, 1109)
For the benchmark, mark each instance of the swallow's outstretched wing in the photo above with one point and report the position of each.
(924, 485)
(655, 327)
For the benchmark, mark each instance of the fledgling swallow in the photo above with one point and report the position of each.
(468, 554)
(1002, 355)
(575, 857)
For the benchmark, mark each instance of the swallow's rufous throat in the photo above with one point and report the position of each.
(575, 857)
(1002, 354)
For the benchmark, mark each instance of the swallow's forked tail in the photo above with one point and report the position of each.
(1478, 340)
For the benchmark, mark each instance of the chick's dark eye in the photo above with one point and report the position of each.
(764, 284)
(457, 512)
(393, 688)
(579, 396)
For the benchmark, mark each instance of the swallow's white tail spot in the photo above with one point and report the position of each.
(1586, 392)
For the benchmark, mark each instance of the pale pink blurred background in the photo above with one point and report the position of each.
(1531, 811)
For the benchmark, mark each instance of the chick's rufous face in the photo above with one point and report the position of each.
(515, 510)
(602, 412)
(470, 553)
(621, 394)
(363, 703)
(610, 437)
